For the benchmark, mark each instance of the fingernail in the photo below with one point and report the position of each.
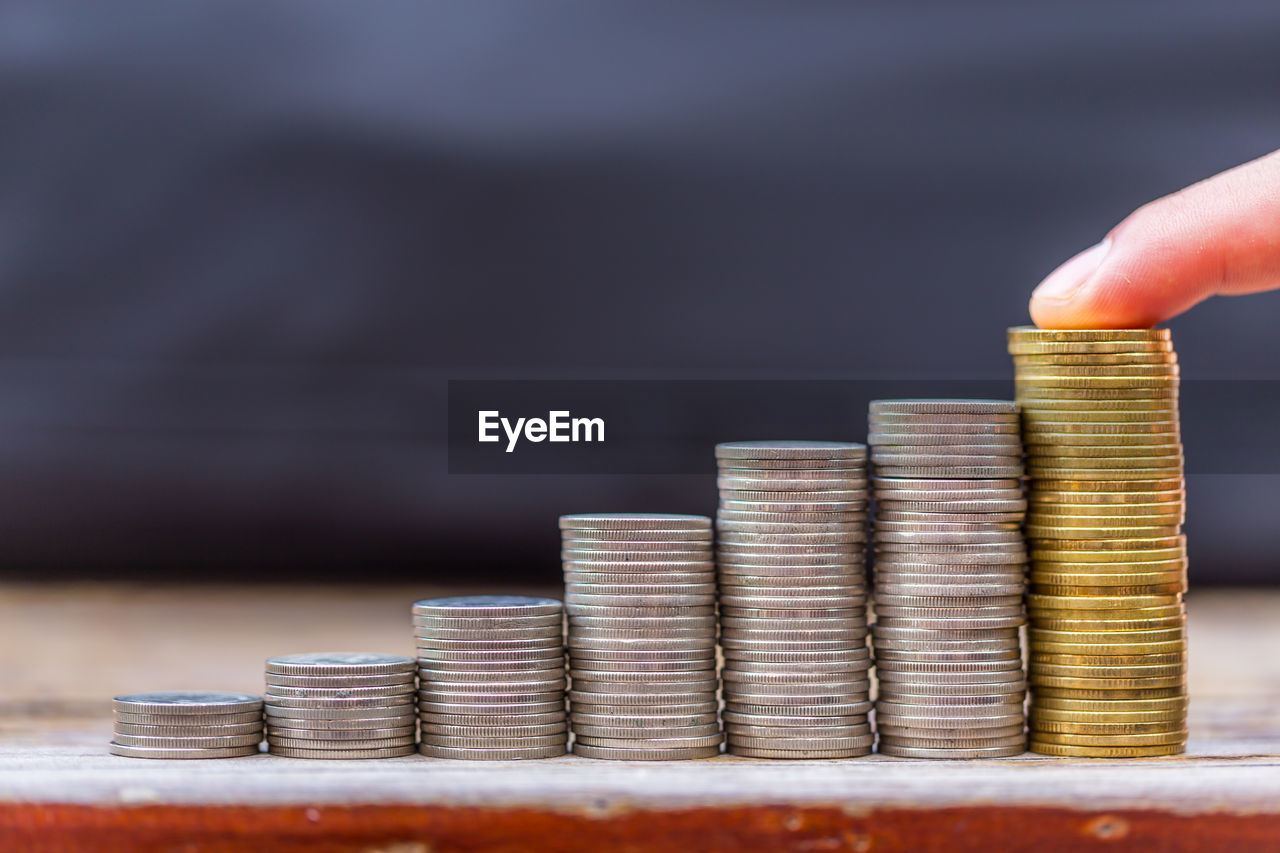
(1066, 280)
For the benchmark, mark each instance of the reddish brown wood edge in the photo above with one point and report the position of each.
(34, 828)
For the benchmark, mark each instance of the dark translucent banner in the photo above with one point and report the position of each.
(669, 427)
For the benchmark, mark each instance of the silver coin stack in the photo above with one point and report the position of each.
(340, 705)
(791, 552)
(950, 574)
(186, 724)
(492, 675)
(640, 591)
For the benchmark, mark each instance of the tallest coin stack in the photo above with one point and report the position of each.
(1108, 558)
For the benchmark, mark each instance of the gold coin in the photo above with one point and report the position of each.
(1133, 675)
(1105, 639)
(1151, 739)
(1036, 442)
(1111, 705)
(1059, 398)
(1033, 334)
(1104, 602)
(1047, 417)
(1095, 359)
(1062, 370)
(1108, 729)
(1120, 688)
(1164, 588)
(1065, 751)
(1159, 567)
(1040, 555)
(1089, 348)
(1118, 649)
(1052, 458)
(1097, 657)
(1124, 487)
(1109, 715)
(1093, 520)
(1086, 475)
(1045, 453)
(1088, 626)
(1139, 508)
(1119, 528)
(1105, 579)
(1142, 385)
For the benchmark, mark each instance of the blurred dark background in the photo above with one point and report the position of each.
(245, 245)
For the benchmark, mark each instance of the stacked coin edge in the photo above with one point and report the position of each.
(186, 724)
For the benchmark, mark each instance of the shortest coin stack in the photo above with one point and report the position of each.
(340, 705)
(493, 677)
(186, 724)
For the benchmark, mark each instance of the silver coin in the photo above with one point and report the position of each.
(187, 742)
(643, 549)
(746, 709)
(585, 686)
(331, 705)
(647, 732)
(902, 435)
(274, 679)
(575, 590)
(512, 731)
(463, 742)
(771, 655)
(638, 535)
(188, 731)
(361, 711)
(644, 754)
(280, 734)
(852, 491)
(489, 605)
(884, 652)
(953, 700)
(908, 752)
(849, 509)
(481, 721)
(484, 634)
(855, 612)
(1014, 517)
(958, 425)
(531, 623)
(844, 538)
(691, 697)
(797, 755)
(593, 711)
(856, 662)
(187, 720)
(490, 754)
(641, 669)
(898, 709)
(726, 516)
(578, 579)
(182, 753)
(645, 655)
(454, 708)
(186, 702)
(779, 529)
(651, 742)
(624, 622)
(634, 521)
(1001, 592)
(277, 691)
(358, 664)
(443, 689)
(525, 676)
(483, 645)
(660, 599)
(1013, 730)
(958, 406)
(343, 754)
(395, 722)
(790, 450)
(737, 733)
(965, 743)
(687, 677)
(824, 743)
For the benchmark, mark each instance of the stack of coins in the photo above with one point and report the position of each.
(186, 724)
(791, 552)
(492, 676)
(340, 705)
(1108, 559)
(640, 592)
(950, 574)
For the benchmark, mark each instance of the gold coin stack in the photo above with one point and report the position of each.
(1104, 524)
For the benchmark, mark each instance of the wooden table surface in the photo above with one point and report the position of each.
(68, 649)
